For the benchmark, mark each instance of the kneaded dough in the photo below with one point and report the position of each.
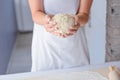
(114, 73)
(64, 22)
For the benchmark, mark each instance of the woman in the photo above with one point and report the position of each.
(50, 48)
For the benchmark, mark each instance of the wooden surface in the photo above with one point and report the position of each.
(103, 71)
(101, 68)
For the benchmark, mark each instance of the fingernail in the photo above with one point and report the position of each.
(75, 23)
(68, 33)
(48, 19)
(55, 29)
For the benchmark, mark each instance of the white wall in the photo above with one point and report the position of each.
(97, 32)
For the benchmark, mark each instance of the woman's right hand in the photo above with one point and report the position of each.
(51, 26)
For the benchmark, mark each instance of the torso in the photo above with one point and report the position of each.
(50, 51)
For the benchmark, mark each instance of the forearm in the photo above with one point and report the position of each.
(39, 17)
(37, 11)
(84, 10)
(85, 6)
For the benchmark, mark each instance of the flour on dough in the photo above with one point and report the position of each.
(64, 22)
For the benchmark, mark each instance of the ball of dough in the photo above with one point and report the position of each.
(64, 22)
(113, 74)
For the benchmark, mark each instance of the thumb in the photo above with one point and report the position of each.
(47, 18)
(76, 20)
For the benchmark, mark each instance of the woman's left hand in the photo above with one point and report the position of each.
(80, 20)
(74, 28)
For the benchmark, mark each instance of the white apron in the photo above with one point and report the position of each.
(52, 52)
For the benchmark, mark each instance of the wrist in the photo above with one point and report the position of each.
(83, 14)
(83, 17)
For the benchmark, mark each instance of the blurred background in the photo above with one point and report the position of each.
(16, 29)
(15, 36)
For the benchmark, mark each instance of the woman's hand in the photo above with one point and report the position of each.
(74, 28)
(83, 18)
(80, 20)
(51, 26)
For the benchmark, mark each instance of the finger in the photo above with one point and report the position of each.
(56, 33)
(73, 30)
(75, 27)
(78, 22)
(52, 23)
(47, 18)
(55, 28)
(76, 18)
(68, 34)
(48, 26)
(51, 29)
(65, 36)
